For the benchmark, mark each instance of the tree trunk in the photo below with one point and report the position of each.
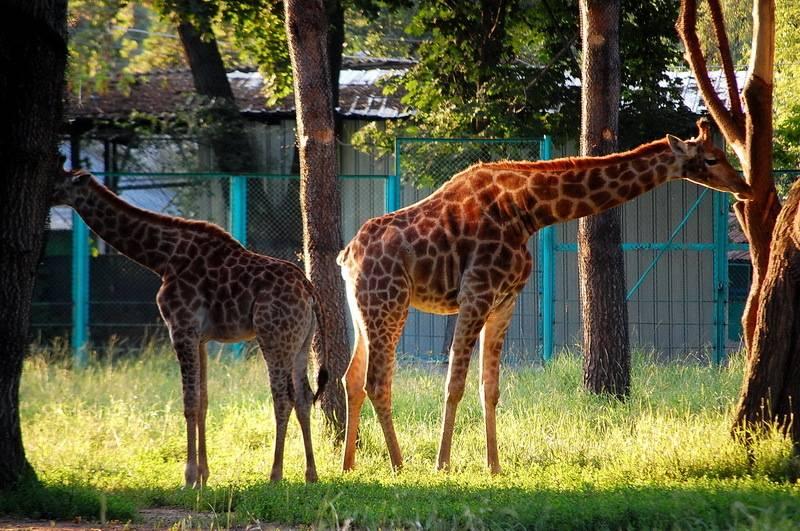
(306, 28)
(758, 216)
(767, 349)
(600, 262)
(772, 379)
(224, 128)
(33, 54)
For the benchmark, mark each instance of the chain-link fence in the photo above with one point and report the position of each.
(262, 211)
(687, 265)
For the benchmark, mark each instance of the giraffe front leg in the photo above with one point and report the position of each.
(468, 328)
(491, 344)
(202, 457)
(186, 348)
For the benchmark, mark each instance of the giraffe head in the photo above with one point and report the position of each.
(705, 164)
(68, 186)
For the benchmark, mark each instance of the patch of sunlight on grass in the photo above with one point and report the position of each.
(663, 458)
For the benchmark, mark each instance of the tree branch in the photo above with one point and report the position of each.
(687, 30)
(727, 62)
(762, 57)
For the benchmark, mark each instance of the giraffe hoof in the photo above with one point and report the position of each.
(275, 477)
(311, 476)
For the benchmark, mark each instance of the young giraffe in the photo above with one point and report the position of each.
(212, 288)
(463, 250)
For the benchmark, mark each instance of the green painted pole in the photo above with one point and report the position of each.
(237, 224)
(721, 279)
(391, 185)
(237, 213)
(80, 291)
(547, 268)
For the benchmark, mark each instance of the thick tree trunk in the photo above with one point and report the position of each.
(225, 131)
(600, 262)
(771, 391)
(306, 28)
(33, 47)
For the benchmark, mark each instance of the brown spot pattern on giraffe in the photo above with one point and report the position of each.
(214, 289)
(464, 251)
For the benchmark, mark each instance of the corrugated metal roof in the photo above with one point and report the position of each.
(165, 93)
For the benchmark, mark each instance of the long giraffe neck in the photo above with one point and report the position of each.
(565, 189)
(143, 236)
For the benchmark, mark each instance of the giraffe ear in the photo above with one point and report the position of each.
(678, 146)
(80, 176)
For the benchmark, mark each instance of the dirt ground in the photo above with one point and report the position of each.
(160, 518)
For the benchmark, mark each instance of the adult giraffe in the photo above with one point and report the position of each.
(462, 250)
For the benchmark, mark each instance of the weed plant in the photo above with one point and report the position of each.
(112, 435)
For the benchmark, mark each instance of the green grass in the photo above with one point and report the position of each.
(663, 459)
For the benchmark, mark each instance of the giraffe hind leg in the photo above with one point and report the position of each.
(280, 382)
(303, 400)
(354, 380)
(380, 369)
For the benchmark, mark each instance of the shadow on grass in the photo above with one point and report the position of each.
(717, 504)
(704, 504)
(372, 504)
(34, 499)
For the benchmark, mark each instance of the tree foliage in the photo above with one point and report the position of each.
(517, 76)
(787, 84)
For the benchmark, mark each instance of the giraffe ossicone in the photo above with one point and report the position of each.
(463, 250)
(212, 288)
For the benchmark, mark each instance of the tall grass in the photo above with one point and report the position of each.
(663, 458)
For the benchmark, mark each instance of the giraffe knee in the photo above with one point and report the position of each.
(455, 392)
(377, 391)
(490, 395)
(354, 386)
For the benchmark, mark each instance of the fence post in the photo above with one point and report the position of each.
(237, 214)
(237, 224)
(721, 280)
(391, 185)
(547, 272)
(80, 291)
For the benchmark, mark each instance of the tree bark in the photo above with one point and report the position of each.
(224, 129)
(33, 54)
(306, 28)
(758, 216)
(333, 9)
(600, 262)
(772, 379)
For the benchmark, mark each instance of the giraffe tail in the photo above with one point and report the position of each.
(323, 376)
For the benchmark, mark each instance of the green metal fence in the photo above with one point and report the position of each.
(676, 243)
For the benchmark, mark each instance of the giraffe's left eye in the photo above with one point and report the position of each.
(711, 162)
